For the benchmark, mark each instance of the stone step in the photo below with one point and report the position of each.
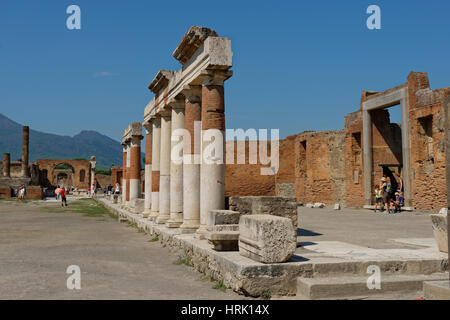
(355, 287)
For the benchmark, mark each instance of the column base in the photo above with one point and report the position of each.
(188, 227)
(147, 212)
(201, 232)
(173, 224)
(162, 218)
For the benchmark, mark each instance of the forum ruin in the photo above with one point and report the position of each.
(239, 224)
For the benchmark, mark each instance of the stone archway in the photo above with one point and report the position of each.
(79, 177)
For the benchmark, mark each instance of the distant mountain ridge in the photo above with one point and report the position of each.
(43, 145)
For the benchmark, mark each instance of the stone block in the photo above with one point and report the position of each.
(443, 211)
(219, 217)
(223, 229)
(319, 205)
(310, 205)
(266, 238)
(439, 222)
(224, 240)
(337, 206)
(277, 206)
(137, 205)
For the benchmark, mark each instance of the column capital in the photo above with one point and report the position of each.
(214, 77)
(192, 93)
(176, 103)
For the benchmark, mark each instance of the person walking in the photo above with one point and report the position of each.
(62, 193)
(378, 198)
(385, 194)
(117, 189)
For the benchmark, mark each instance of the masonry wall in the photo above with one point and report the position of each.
(427, 143)
(246, 179)
(320, 167)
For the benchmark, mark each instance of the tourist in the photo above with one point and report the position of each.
(57, 191)
(385, 194)
(117, 189)
(62, 193)
(378, 198)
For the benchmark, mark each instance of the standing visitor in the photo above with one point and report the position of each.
(378, 198)
(385, 194)
(62, 193)
(117, 189)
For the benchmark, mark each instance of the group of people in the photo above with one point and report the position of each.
(112, 190)
(61, 194)
(388, 198)
(21, 193)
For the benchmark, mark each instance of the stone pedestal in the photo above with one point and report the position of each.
(222, 229)
(440, 231)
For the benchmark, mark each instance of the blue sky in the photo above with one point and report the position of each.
(298, 65)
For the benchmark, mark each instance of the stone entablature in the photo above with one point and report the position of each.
(212, 54)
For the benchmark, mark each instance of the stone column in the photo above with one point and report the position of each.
(164, 177)
(148, 170)
(367, 153)
(127, 193)
(124, 173)
(134, 174)
(156, 144)
(212, 168)
(191, 160)
(6, 165)
(176, 165)
(25, 149)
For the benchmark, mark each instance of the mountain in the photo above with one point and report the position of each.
(52, 146)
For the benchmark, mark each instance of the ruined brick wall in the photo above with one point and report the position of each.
(285, 177)
(320, 167)
(116, 175)
(354, 187)
(246, 179)
(427, 143)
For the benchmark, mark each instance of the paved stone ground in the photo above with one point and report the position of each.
(362, 227)
(116, 261)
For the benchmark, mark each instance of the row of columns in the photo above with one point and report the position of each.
(182, 192)
(131, 172)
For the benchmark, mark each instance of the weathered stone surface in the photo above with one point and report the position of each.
(440, 231)
(337, 206)
(309, 205)
(217, 217)
(266, 238)
(224, 240)
(277, 206)
(137, 205)
(443, 211)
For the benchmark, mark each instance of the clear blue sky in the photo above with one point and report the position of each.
(298, 65)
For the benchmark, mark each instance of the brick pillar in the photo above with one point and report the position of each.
(134, 175)
(156, 144)
(25, 149)
(176, 165)
(164, 177)
(212, 168)
(124, 173)
(148, 170)
(6, 165)
(191, 161)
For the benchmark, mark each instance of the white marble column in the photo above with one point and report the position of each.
(156, 148)
(176, 165)
(164, 178)
(135, 168)
(148, 170)
(191, 161)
